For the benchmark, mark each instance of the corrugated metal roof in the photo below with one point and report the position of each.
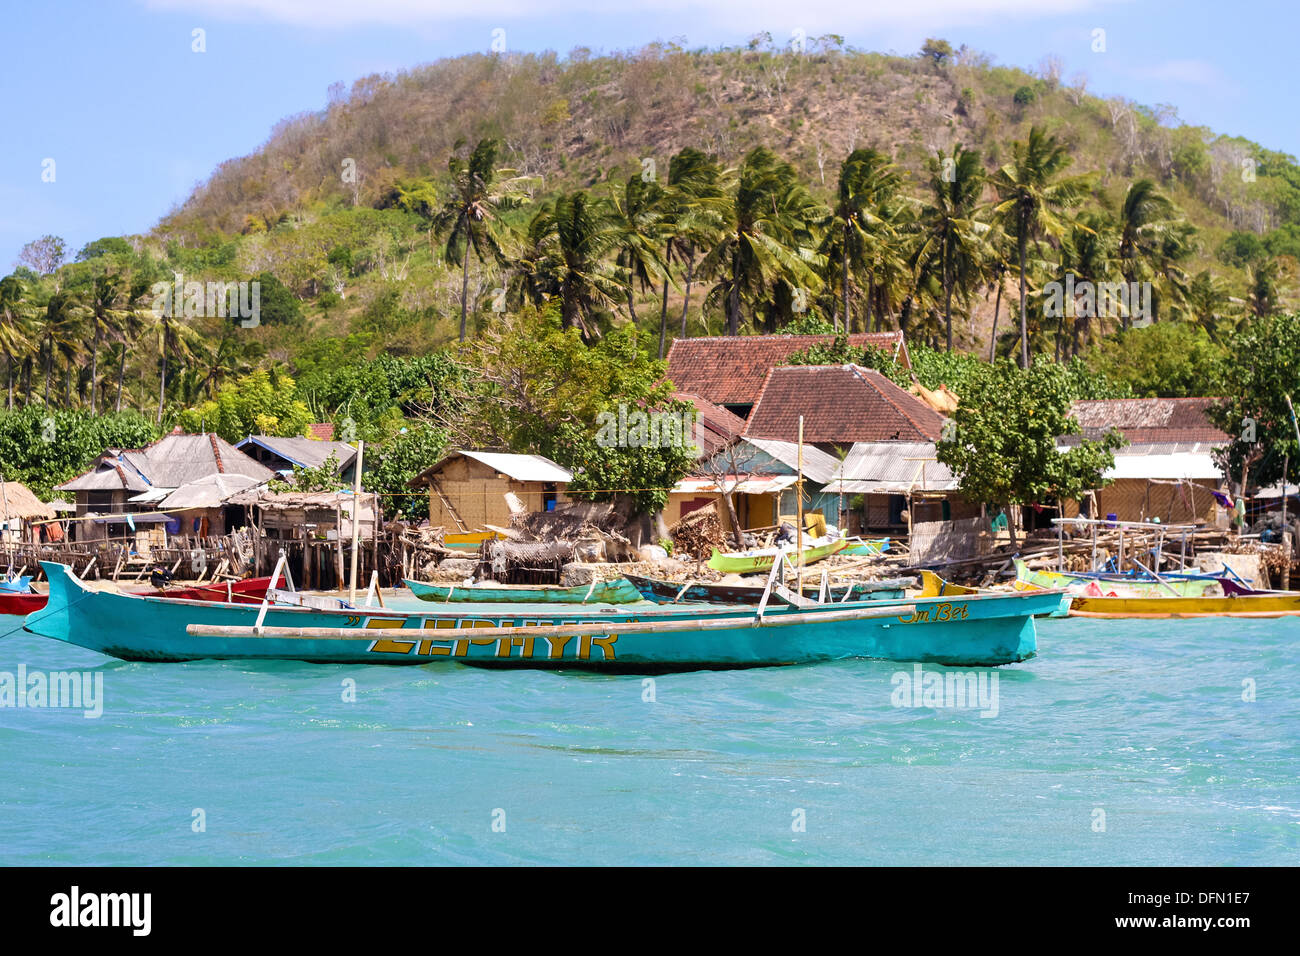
(745, 486)
(892, 467)
(207, 492)
(817, 464)
(304, 452)
(170, 462)
(522, 467)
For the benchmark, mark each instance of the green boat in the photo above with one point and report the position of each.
(760, 560)
(864, 546)
(1122, 585)
(617, 591)
(979, 630)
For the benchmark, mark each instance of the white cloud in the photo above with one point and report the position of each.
(819, 15)
(1185, 72)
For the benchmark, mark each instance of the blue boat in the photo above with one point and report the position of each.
(981, 630)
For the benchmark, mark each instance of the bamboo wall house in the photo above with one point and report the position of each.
(1167, 471)
(469, 490)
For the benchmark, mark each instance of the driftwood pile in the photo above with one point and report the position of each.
(698, 533)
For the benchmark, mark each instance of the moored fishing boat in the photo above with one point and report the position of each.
(699, 592)
(1120, 585)
(864, 546)
(934, 586)
(249, 590)
(761, 559)
(467, 540)
(985, 629)
(1251, 604)
(617, 591)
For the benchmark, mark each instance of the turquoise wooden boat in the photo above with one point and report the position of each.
(618, 591)
(861, 546)
(982, 630)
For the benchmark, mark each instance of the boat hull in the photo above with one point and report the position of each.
(661, 592)
(1181, 587)
(619, 591)
(983, 630)
(739, 562)
(1246, 605)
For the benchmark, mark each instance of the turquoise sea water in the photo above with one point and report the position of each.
(1141, 720)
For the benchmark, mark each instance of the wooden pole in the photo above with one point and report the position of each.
(356, 521)
(799, 510)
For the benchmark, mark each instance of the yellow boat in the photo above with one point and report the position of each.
(1266, 604)
(934, 586)
(467, 540)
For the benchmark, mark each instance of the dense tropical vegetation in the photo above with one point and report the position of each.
(402, 235)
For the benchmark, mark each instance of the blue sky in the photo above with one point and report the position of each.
(133, 118)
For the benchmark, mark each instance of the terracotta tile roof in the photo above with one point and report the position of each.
(729, 370)
(715, 426)
(321, 430)
(1150, 420)
(840, 404)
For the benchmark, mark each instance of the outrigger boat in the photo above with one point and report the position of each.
(617, 591)
(863, 546)
(697, 592)
(934, 586)
(1248, 604)
(980, 630)
(1118, 585)
(758, 560)
(247, 591)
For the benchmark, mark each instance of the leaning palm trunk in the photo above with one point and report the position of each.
(663, 319)
(162, 385)
(9, 369)
(464, 292)
(686, 303)
(94, 368)
(844, 280)
(121, 374)
(1024, 327)
(947, 292)
(993, 336)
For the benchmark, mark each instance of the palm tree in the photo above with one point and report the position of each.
(639, 220)
(104, 314)
(1032, 196)
(59, 331)
(131, 325)
(859, 221)
(951, 233)
(694, 205)
(1087, 253)
(582, 236)
(175, 338)
(1208, 301)
(15, 327)
(470, 214)
(1143, 218)
(767, 238)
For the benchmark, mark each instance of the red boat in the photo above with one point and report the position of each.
(248, 591)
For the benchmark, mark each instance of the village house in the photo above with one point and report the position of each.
(891, 485)
(121, 496)
(1167, 471)
(283, 455)
(469, 490)
(19, 510)
(730, 370)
